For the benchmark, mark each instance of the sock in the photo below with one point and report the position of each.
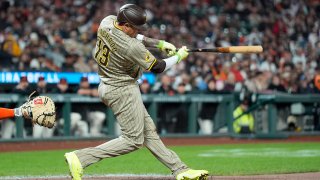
(7, 113)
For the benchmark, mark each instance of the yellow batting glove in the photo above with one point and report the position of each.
(167, 47)
(182, 53)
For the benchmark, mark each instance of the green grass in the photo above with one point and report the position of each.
(236, 159)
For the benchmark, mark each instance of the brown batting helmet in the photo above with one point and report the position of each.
(134, 15)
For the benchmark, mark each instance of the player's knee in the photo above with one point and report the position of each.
(137, 141)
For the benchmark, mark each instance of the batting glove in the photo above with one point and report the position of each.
(167, 47)
(182, 53)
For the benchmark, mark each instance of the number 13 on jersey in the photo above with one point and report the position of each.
(102, 53)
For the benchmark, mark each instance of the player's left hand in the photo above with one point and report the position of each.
(167, 47)
(182, 53)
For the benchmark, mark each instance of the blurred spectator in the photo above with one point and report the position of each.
(48, 65)
(6, 61)
(175, 118)
(268, 65)
(24, 63)
(165, 120)
(182, 89)
(275, 84)
(303, 87)
(208, 111)
(185, 79)
(145, 87)
(181, 114)
(315, 84)
(10, 48)
(164, 86)
(93, 113)
(68, 65)
(299, 57)
(42, 86)
(229, 85)
(85, 89)
(62, 87)
(78, 126)
(93, 65)
(23, 87)
(80, 65)
(257, 83)
(219, 73)
(235, 70)
(289, 82)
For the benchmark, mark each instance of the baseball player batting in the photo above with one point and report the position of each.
(122, 56)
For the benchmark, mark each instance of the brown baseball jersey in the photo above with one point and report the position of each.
(121, 59)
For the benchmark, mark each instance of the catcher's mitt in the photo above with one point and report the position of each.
(40, 110)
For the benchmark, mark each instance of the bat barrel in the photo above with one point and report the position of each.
(245, 49)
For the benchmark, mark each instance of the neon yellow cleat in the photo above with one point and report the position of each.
(75, 166)
(193, 175)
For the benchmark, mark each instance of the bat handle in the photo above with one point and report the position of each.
(194, 50)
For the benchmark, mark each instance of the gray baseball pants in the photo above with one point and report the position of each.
(137, 129)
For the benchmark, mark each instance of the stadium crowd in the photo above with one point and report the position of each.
(57, 35)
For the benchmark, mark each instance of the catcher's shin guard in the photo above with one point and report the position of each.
(193, 175)
(75, 166)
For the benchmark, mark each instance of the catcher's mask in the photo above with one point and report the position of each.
(134, 15)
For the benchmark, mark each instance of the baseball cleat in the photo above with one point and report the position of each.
(75, 167)
(193, 175)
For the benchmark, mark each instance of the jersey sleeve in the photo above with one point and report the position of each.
(140, 55)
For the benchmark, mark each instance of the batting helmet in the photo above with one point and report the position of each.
(134, 15)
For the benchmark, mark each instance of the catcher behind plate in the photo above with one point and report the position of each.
(40, 110)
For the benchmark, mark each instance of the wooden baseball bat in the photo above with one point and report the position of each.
(230, 49)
